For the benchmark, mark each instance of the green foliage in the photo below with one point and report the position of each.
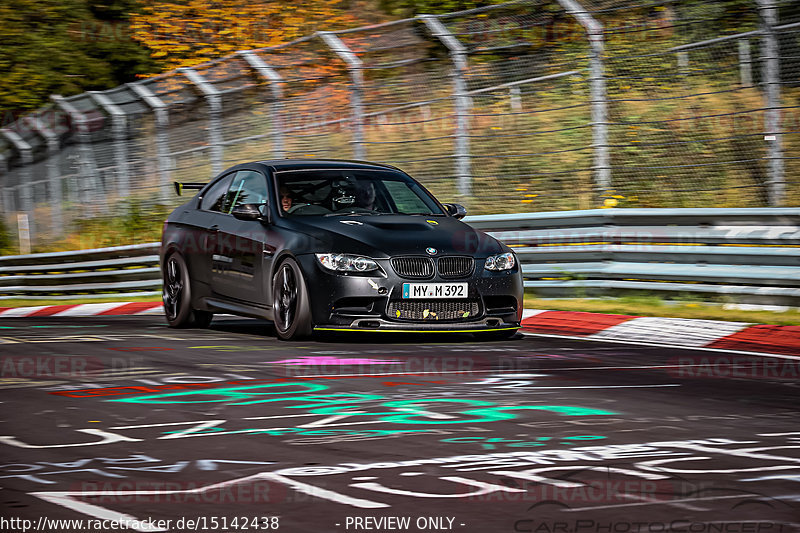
(64, 47)
(138, 223)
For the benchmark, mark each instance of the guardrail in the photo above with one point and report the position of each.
(746, 255)
(115, 272)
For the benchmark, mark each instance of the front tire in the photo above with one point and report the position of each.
(290, 304)
(177, 296)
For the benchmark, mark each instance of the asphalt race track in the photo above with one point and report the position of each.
(120, 424)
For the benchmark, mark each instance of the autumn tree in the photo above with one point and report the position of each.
(187, 33)
(64, 47)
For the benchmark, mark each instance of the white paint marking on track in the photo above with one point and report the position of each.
(688, 332)
(311, 490)
(663, 345)
(666, 502)
(653, 500)
(68, 499)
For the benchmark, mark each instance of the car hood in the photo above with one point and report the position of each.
(392, 235)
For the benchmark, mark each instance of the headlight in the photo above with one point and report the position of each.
(346, 262)
(504, 261)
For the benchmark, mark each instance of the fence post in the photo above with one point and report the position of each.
(514, 94)
(745, 63)
(162, 134)
(354, 66)
(683, 63)
(458, 54)
(214, 101)
(275, 80)
(53, 173)
(24, 188)
(8, 200)
(86, 164)
(772, 101)
(119, 132)
(599, 98)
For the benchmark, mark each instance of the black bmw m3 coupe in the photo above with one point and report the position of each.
(326, 245)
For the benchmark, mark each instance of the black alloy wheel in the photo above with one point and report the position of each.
(290, 307)
(177, 297)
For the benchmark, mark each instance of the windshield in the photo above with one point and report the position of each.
(352, 192)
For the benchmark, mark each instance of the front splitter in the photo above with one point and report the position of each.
(382, 326)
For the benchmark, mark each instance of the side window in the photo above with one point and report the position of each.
(214, 198)
(248, 187)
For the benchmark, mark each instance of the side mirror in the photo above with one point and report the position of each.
(457, 211)
(247, 212)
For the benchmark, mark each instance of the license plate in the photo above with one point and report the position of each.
(435, 290)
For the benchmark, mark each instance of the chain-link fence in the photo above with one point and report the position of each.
(527, 106)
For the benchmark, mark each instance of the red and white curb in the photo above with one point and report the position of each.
(677, 332)
(103, 309)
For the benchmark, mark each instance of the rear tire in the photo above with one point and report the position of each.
(290, 303)
(177, 296)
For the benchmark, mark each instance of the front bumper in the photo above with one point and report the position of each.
(383, 326)
(361, 303)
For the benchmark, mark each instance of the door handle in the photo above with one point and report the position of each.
(214, 228)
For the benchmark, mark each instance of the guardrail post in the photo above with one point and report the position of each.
(214, 101)
(599, 99)
(86, 163)
(119, 131)
(354, 66)
(275, 80)
(24, 188)
(162, 134)
(53, 173)
(772, 101)
(458, 55)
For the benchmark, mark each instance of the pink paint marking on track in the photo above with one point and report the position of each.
(327, 360)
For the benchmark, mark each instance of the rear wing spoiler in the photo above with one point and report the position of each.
(180, 187)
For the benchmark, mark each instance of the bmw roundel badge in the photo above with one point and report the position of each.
(431, 251)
